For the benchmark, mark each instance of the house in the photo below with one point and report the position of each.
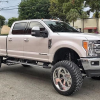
(90, 25)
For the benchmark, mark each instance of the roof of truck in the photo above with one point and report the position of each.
(37, 20)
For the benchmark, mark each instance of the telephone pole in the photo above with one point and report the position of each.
(0, 19)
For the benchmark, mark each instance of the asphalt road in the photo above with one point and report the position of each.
(19, 83)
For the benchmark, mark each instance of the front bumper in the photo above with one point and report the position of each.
(91, 66)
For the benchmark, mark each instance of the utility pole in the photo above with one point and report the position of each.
(0, 19)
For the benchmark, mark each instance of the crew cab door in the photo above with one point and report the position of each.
(15, 40)
(35, 48)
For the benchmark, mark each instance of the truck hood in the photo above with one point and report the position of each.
(88, 36)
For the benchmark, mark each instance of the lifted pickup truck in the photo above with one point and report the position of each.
(53, 43)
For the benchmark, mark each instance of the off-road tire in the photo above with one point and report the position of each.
(75, 73)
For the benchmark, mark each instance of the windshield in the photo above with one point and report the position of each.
(57, 26)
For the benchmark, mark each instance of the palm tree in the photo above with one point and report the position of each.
(83, 16)
(72, 15)
(94, 7)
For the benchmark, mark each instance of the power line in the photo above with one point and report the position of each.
(9, 6)
(9, 9)
(16, 8)
(4, 1)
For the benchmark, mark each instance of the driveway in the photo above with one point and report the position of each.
(33, 83)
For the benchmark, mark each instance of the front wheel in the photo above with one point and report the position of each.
(66, 77)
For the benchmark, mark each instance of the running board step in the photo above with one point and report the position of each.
(10, 62)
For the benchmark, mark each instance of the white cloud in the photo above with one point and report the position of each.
(87, 8)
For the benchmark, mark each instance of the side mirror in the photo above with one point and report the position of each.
(35, 31)
(44, 34)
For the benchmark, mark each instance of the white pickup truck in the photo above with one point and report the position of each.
(53, 43)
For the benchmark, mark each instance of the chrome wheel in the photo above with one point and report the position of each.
(62, 79)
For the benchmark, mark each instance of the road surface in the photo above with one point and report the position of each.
(33, 83)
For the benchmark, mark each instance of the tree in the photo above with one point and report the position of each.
(56, 10)
(34, 9)
(71, 4)
(94, 15)
(73, 9)
(72, 15)
(2, 21)
(94, 7)
(11, 21)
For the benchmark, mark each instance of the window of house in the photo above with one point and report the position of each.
(89, 30)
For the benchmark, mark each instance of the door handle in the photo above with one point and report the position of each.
(10, 39)
(26, 40)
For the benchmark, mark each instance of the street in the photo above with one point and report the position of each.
(33, 83)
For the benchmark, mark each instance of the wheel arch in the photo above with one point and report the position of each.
(63, 54)
(64, 49)
(68, 45)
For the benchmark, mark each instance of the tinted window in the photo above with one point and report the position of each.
(19, 26)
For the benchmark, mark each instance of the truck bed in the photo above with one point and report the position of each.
(3, 44)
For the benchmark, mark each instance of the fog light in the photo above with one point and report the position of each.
(94, 62)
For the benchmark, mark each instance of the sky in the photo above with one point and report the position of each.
(14, 13)
(9, 13)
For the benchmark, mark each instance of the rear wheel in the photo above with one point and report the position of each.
(66, 78)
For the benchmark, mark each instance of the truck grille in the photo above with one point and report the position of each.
(97, 47)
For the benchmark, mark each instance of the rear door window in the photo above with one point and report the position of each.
(19, 28)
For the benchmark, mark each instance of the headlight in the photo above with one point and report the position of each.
(91, 48)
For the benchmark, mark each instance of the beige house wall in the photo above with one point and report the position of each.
(90, 23)
(77, 24)
(5, 29)
(87, 23)
(99, 25)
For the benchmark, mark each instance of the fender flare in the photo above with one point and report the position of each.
(71, 45)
